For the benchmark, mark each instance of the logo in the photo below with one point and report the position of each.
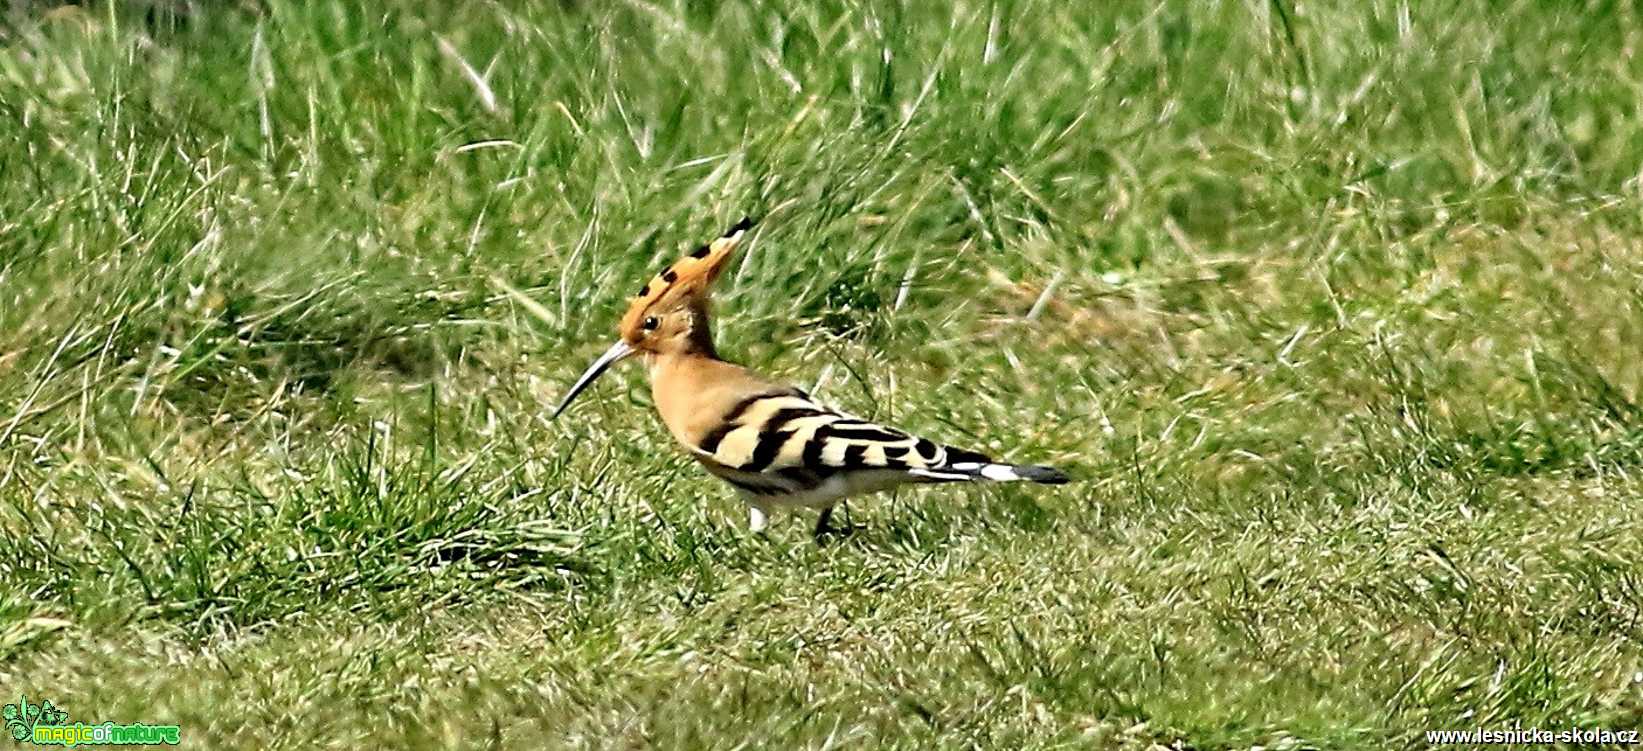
(45, 725)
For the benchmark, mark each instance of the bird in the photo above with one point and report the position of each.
(780, 448)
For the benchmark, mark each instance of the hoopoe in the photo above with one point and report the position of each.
(771, 441)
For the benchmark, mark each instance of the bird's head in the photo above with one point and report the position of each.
(669, 315)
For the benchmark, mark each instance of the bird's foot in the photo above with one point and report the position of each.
(825, 529)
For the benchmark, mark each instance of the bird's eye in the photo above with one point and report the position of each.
(651, 323)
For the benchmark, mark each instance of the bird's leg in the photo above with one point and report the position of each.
(824, 526)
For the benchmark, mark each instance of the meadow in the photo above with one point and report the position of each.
(1334, 311)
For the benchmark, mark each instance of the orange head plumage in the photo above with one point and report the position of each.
(669, 315)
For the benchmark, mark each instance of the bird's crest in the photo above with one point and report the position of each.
(687, 278)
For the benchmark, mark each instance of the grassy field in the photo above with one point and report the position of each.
(1334, 310)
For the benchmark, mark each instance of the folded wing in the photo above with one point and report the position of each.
(782, 442)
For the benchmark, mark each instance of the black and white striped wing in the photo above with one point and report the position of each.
(783, 442)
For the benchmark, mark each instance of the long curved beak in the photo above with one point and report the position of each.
(615, 354)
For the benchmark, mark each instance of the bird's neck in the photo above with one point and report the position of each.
(686, 387)
(689, 358)
(695, 341)
(700, 342)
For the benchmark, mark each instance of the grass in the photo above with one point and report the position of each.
(1333, 308)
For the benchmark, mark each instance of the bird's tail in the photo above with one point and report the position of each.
(963, 465)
